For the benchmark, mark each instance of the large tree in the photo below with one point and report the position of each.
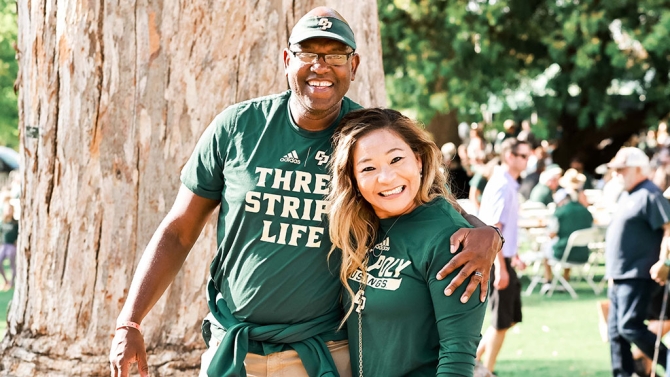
(113, 97)
(596, 69)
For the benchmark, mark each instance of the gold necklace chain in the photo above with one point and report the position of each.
(360, 299)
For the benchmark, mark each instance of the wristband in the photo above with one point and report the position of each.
(128, 324)
(502, 239)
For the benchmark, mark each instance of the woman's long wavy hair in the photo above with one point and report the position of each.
(353, 223)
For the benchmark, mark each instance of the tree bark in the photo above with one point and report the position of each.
(113, 97)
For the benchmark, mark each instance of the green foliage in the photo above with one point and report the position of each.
(9, 115)
(457, 55)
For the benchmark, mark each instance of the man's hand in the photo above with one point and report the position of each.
(518, 263)
(480, 246)
(502, 279)
(659, 272)
(127, 349)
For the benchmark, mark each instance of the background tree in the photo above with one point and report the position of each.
(9, 114)
(596, 69)
(113, 97)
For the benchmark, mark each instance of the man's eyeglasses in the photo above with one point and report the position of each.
(524, 156)
(330, 59)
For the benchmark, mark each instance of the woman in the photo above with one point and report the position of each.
(391, 218)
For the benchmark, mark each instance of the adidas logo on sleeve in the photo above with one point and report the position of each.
(291, 157)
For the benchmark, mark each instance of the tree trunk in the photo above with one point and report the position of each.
(113, 97)
(444, 128)
(596, 146)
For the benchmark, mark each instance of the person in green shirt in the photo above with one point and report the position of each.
(548, 184)
(272, 292)
(570, 215)
(9, 229)
(391, 217)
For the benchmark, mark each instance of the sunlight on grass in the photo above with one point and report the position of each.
(558, 337)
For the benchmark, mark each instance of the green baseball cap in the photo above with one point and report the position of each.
(322, 27)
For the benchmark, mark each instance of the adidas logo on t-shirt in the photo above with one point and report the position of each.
(384, 245)
(291, 157)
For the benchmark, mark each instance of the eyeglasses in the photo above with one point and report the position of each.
(330, 59)
(524, 156)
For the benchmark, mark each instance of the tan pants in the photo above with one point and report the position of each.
(282, 364)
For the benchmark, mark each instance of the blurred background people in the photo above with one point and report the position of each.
(546, 187)
(9, 232)
(573, 182)
(459, 180)
(639, 226)
(570, 215)
(479, 181)
(577, 163)
(500, 208)
(526, 134)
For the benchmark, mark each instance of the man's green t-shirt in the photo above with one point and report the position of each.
(541, 194)
(572, 216)
(409, 327)
(271, 177)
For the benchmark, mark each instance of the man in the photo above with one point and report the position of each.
(570, 216)
(639, 229)
(546, 187)
(272, 291)
(500, 208)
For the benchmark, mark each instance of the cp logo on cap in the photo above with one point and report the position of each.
(325, 24)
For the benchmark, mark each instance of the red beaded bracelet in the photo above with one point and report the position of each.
(129, 324)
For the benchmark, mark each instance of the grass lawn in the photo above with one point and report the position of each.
(5, 297)
(558, 337)
(4, 301)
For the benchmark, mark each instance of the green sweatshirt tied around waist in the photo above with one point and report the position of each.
(302, 337)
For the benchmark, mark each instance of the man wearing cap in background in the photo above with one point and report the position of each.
(273, 295)
(635, 254)
(544, 190)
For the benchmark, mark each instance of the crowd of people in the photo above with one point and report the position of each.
(628, 198)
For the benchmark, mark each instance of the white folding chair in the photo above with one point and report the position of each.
(532, 205)
(578, 238)
(535, 263)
